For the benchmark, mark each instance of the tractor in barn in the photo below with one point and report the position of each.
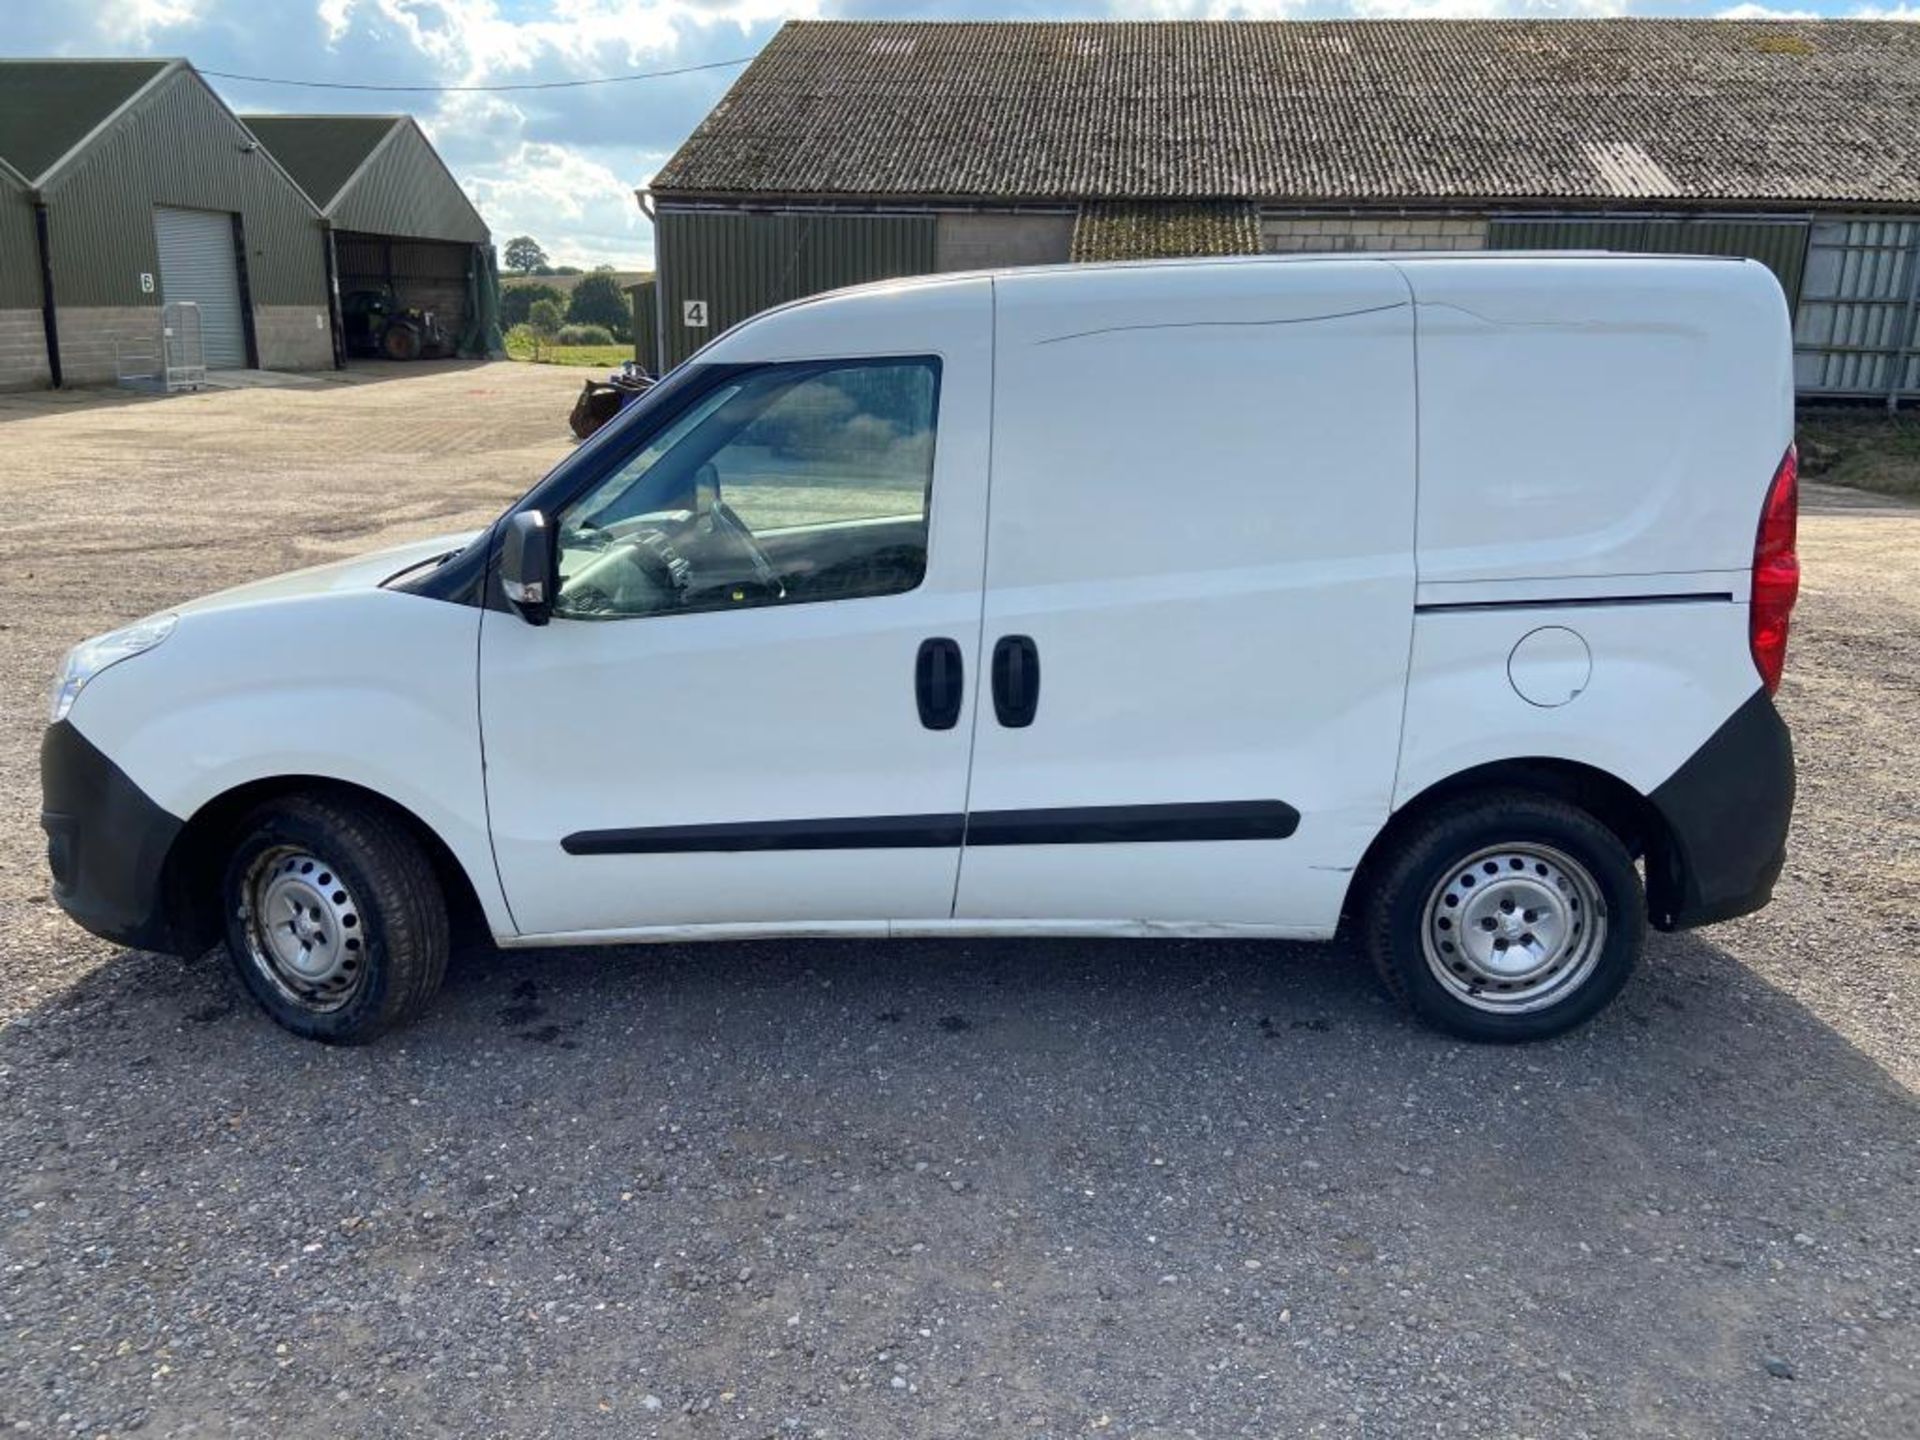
(377, 324)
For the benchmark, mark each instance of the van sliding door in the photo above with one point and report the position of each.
(1199, 593)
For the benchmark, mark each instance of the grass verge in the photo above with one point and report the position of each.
(601, 357)
(1866, 449)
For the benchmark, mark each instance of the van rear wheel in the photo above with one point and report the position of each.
(1506, 916)
(335, 920)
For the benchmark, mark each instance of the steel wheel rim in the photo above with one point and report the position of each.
(1514, 928)
(303, 926)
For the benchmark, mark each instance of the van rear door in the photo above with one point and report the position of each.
(1199, 593)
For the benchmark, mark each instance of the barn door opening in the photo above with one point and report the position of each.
(197, 263)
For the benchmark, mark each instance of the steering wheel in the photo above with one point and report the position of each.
(725, 520)
(602, 590)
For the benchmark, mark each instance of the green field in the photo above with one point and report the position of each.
(601, 357)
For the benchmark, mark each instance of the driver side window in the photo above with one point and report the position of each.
(787, 484)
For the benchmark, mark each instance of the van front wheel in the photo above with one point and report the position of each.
(1507, 916)
(335, 920)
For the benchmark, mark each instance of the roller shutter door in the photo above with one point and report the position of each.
(197, 264)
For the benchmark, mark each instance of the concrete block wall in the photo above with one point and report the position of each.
(987, 241)
(1296, 234)
(88, 335)
(23, 350)
(293, 337)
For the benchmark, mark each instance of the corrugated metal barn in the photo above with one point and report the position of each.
(136, 186)
(396, 218)
(855, 151)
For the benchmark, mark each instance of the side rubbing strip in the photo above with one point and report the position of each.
(1115, 824)
(1454, 607)
(875, 832)
(1095, 825)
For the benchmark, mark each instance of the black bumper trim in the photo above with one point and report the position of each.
(107, 843)
(1727, 810)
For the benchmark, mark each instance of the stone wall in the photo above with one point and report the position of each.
(1294, 234)
(23, 350)
(293, 337)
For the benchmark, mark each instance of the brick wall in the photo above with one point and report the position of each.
(1293, 234)
(23, 350)
(293, 337)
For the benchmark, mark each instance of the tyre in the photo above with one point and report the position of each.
(1506, 916)
(401, 342)
(335, 919)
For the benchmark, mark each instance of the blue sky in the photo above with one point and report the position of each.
(563, 166)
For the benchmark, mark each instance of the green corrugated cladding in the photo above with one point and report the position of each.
(19, 255)
(1780, 245)
(742, 263)
(406, 190)
(644, 298)
(178, 146)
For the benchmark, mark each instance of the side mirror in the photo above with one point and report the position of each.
(526, 566)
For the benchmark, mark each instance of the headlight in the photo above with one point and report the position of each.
(90, 657)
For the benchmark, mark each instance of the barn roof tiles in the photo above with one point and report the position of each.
(1349, 112)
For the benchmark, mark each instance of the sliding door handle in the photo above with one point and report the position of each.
(1016, 681)
(938, 682)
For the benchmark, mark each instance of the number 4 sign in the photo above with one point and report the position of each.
(693, 314)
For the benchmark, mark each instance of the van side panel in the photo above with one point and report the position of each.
(1201, 513)
(1660, 678)
(1597, 440)
(1596, 417)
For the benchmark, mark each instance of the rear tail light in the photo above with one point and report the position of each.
(1776, 572)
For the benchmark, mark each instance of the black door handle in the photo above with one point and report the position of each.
(938, 682)
(1016, 681)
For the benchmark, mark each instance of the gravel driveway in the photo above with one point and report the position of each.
(944, 1189)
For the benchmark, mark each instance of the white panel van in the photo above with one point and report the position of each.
(1440, 600)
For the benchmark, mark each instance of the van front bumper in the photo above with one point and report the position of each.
(1726, 810)
(107, 843)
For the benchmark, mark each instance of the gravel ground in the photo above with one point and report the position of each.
(877, 1189)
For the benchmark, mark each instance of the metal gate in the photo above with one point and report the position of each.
(1779, 244)
(197, 263)
(1857, 334)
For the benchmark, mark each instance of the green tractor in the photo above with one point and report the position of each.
(377, 324)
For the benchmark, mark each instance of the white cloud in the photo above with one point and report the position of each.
(478, 43)
(1751, 11)
(137, 23)
(1487, 9)
(550, 191)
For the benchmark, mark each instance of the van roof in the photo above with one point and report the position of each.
(1394, 257)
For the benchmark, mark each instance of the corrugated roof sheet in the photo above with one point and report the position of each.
(1321, 111)
(321, 152)
(1165, 229)
(49, 106)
